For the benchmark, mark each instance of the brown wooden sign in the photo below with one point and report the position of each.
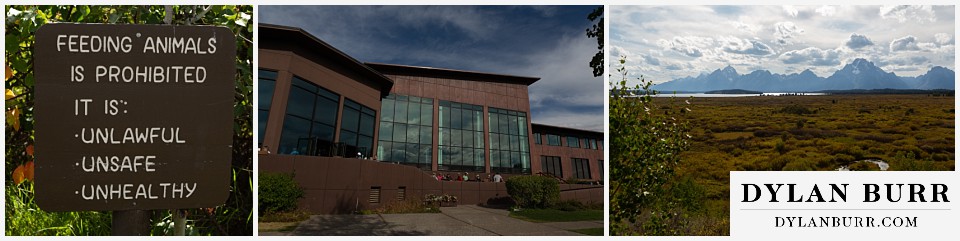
(133, 117)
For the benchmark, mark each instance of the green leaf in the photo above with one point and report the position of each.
(18, 64)
(113, 18)
(12, 43)
(28, 80)
(82, 12)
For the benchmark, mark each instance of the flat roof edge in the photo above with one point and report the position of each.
(456, 72)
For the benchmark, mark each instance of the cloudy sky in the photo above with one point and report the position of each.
(541, 41)
(667, 42)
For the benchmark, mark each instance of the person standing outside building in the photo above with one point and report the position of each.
(497, 178)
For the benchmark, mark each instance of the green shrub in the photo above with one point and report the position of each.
(533, 191)
(796, 110)
(24, 217)
(645, 149)
(413, 205)
(278, 192)
(781, 147)
(688, 194)
(800, 165)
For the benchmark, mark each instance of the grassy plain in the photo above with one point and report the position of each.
(802, 133)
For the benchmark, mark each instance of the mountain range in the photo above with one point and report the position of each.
(859, 74)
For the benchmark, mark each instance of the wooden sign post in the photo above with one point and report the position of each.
(133, 117)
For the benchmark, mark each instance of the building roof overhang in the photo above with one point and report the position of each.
(565, 130)
(451, 73)
(271, 33)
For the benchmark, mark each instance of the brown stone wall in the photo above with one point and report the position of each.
(341, 185)
(492, 94)
(567, 154)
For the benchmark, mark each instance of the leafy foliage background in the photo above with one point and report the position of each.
(233, 218)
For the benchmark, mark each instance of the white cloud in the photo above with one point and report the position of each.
(812, 56)
(736, 45)
(790, 10)
(827, 10)
(649, 59)
(927, 46)
(784, 32)
(745, 27)
(907, 43)
(546, 11)
(566, 94)
(471, 20)
(903, 13)
(857, 41)
(677, 66)
(903, 61)
(944, 39)
(617, 52)
(689, 45)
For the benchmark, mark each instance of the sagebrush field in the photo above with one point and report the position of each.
(802, 133)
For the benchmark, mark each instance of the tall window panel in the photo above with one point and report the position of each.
(406, 131)
(461, 137)
(356, 129)
(552, 165)
(310, 120)
(573, 141)
(553, 140)
(509, 141)
(600, 169)
(581, 168)
(267, 81)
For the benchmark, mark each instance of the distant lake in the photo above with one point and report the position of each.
(702, 95)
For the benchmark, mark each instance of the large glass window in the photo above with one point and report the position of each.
(356, 129)
(308, 126)
(406, 131)
(551, 164)
(461, 137)
(581, 168)
(553, 140)
(509, 141)
(600, 169)
(573, 141)
(536, 138)
(266, 83)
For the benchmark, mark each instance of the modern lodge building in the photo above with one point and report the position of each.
(359, 135)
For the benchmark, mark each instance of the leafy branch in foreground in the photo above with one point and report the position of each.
(645, 149)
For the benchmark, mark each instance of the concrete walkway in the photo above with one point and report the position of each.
(452, 221)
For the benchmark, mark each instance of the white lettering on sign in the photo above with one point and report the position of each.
(150, 74)
(94, 44)
(148, 135)
(118, 164)
(129, 191)
(169, 45)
